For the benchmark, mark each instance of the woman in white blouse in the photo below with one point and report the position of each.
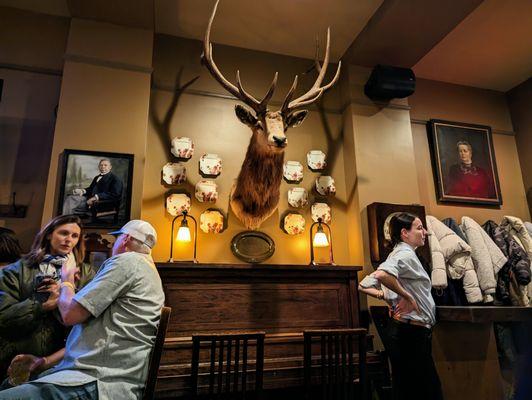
(408, 292)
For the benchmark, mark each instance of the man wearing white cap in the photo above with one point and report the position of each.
(114, 321)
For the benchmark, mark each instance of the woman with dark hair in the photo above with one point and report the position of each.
(413, 311)
(29, 292)
(9, 247)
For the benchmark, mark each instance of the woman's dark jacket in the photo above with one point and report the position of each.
(25, 328)
(518, 262)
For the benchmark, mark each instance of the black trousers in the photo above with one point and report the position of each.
(413, 371)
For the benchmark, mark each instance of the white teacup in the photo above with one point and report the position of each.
(210, 164)
(182, 147)
(211, 221)
(176, 203)
(294, 224)
(293, 171)
(316, 159)
(321, 210)
(325, 185)
(174, 173)
(297, 197)
(206, 191)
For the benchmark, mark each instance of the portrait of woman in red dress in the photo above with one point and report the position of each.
(463, 163)
(467, 179)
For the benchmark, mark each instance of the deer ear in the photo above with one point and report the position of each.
(245, 116)
(295, 118)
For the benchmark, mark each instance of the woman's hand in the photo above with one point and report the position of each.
(22, 366)
(69, 270)
(405, 305)
(49, 285)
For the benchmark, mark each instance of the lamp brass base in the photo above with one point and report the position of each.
(171, 260)
(314, 263)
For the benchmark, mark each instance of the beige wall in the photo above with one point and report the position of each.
(32, 40)
(381, 140)
(104, 100)
(520, 104)
(437, 100)
(27, 117)
(31, 59)
(214, 128)
(391, 154)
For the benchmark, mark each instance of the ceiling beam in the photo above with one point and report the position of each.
(134, 14)
(401, 32)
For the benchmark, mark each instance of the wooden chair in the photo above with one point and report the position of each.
(97, 249)
(157, 351)
(342, 353)
(229, 351)
(104, 208)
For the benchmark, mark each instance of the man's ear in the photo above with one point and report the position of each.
(245, 116)
(295, 118)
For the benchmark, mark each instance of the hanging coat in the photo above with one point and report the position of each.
(457, 255)
(515, 275)
(517, 230)
(453, 225)
(438, 274)
(487, 257)
(528, 227)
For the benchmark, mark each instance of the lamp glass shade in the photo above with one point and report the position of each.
(320, 239)
(183, 234)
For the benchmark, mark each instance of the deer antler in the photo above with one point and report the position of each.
(238, 91)
(316, 90)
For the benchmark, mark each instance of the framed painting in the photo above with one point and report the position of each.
(97, 187)
(463, 162)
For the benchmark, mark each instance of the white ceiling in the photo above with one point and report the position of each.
(286, 27)
(50, 7)
(490, 48)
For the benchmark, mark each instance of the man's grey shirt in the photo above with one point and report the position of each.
(113, 346)
(403, 263)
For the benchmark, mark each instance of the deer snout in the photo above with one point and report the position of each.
(279, 141)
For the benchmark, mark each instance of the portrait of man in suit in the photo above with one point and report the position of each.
(105, 187)
(96, 188)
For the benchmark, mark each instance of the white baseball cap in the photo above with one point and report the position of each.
(140, 230)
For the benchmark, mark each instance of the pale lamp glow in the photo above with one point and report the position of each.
(320, 239)
(183, 234)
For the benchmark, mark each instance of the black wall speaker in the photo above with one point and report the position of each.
(387, 82)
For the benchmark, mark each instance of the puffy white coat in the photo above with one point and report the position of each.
(518, 230)
(528, 226)
(487, 257)
(438, 275)
(457, 256)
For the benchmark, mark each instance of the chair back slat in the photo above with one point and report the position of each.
(244, 367)
(337, 371)
(260, 363)
(229, 356)
(213, 358)
(237, 365)
(156, 353)
(220, 365)
(228, 368)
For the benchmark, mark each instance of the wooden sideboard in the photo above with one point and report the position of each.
(281, 300)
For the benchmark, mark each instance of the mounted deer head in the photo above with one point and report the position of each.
(255, 195)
